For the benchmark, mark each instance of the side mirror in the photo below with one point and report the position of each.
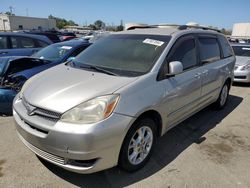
(70, 58)
(175, 67)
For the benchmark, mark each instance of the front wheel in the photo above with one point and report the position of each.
(222, 100)
(138, 144)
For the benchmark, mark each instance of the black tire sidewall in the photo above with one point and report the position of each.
(124, 162)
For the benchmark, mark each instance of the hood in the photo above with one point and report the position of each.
(242, 60)
(62, 87)
(4, 63)
(19, 66)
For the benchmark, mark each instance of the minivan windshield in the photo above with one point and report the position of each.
(123, 54)
(242, 50)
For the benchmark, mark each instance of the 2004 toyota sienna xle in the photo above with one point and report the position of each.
(108, 105)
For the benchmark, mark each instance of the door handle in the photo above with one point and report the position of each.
(197, 75)
(205, 72)
(3, 52)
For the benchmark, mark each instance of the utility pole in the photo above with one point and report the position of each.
(27, 11)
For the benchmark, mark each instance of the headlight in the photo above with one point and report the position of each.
(245, 67)
(91, 111)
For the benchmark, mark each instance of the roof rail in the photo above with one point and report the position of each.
(183, 27)
(152, 26)
(180, 27)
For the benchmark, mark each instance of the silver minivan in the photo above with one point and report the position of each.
(108, 105)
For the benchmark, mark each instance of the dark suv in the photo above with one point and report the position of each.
(21, 44)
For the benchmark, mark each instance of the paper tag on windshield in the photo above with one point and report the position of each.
(245, 48)
(153, 42)
(66, 47)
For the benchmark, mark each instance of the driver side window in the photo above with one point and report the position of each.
(184, 50)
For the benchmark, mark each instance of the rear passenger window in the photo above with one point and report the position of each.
(226, 48)
(41, 44)
(27, 42)
(209, 49)
(14, 42)
(3, 42)
(185, 52)
(22, 42)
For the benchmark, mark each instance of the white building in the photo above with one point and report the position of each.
(241, 30)
(13, 23)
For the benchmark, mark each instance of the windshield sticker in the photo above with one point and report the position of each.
(245, 48)
(153, 42)
(66, 47)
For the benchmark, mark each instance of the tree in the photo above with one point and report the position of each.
(71, 22)
(226, 32)
(61, 22)
(99, 24)
(120, 27)
(9, 13)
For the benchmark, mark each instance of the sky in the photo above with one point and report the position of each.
(218, 13)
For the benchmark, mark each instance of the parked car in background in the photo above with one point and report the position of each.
(65, 36)
(14, 71)
(21, 44)
(53, 36)
(242, 66)
(109, 104)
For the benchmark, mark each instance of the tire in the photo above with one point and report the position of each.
(135, 151)
(223, 97)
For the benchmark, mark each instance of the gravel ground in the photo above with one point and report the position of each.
(210, 149)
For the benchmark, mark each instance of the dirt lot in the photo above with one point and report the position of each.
(211, 149)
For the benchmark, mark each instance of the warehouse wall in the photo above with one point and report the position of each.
(26, 23)
(4, 23)
(241, 30)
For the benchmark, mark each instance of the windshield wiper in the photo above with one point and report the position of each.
(98, 69)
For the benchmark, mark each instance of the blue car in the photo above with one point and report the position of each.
(14, 71)
(21, 44)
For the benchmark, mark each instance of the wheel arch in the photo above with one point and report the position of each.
(155, 116)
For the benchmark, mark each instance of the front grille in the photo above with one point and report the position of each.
(54, 116)
(44, 154)
(47, 114)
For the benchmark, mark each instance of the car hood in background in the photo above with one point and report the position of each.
(62, 87)
(5, 60)
(241, 60)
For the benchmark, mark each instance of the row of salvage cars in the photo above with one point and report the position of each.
(15, 70)
(107, 106)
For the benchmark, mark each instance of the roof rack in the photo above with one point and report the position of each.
(151, 26)
(183, 27)
(180, 27)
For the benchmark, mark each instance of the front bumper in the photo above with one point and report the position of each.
(79, 148)
(242, 76)
(6, 99)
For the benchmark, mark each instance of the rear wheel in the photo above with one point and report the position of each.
(137, 145)
(222, 100)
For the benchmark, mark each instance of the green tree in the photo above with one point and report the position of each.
(99, 24)
(226, 32)
(9, 13)
(61, 22)
(119, 28)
